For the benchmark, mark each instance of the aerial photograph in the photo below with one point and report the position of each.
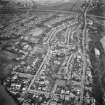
(52, 52)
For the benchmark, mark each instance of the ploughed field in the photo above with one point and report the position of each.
(54, 58)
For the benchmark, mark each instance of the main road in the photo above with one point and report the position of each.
(84, 40)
